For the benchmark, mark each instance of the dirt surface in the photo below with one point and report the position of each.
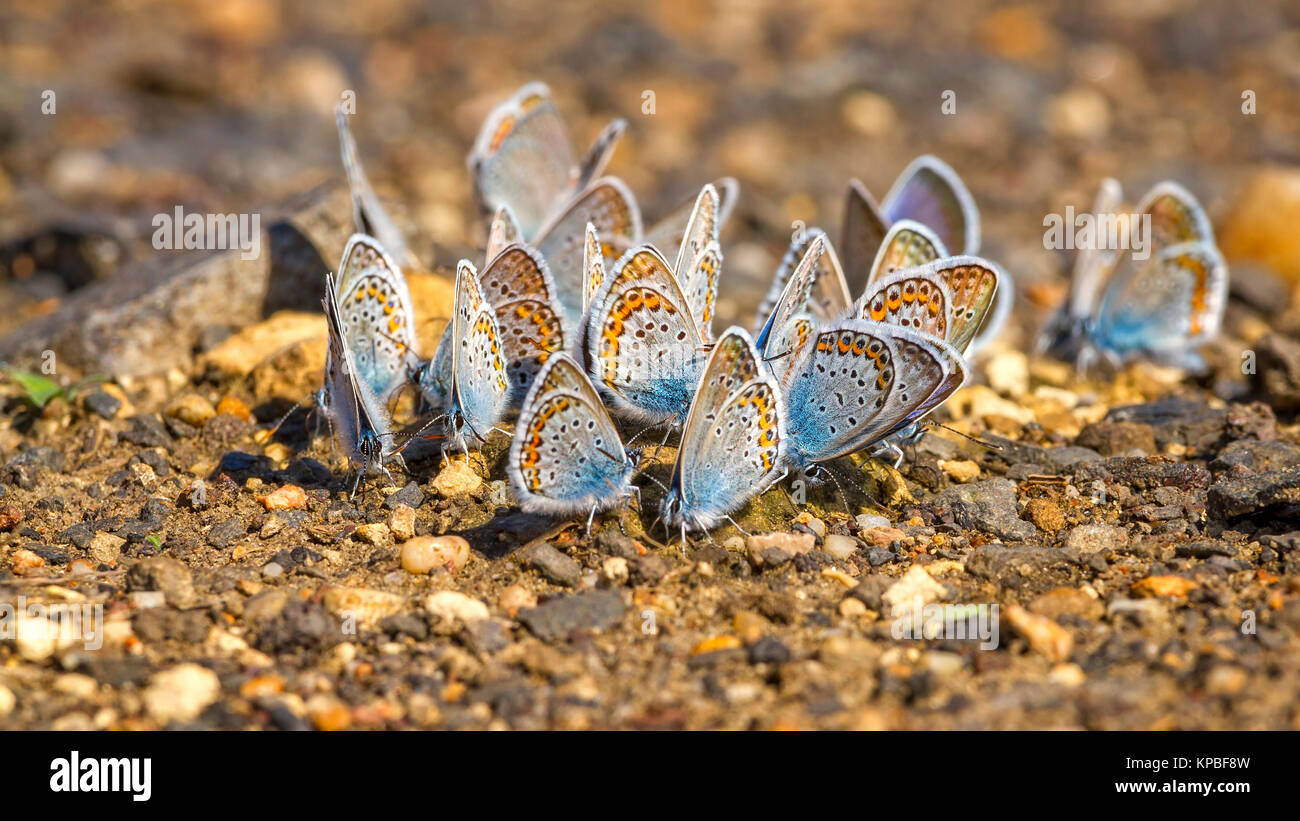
(1137, 531)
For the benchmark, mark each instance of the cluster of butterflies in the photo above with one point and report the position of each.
(578, 317)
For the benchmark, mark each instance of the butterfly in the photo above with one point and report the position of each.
(732, 443)
(517, 284)
(358, 416)
(1162, 307)
(376, 315)
(644, 346)
(857, 382)
(468, 376)
(522, 159)
(368, 215)
(566, 455)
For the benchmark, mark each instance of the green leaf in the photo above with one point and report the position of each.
(39, 389)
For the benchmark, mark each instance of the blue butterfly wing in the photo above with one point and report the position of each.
(642, 342)
(931, 193)
(1168, 304)
(566, 455)
(862, 381)
(377, 318)
(731, 445)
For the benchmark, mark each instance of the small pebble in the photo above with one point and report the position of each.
(456, 478)
(424, 554)
(288, 497)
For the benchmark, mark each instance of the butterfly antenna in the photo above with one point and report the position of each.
(276, 427)
(981, 442)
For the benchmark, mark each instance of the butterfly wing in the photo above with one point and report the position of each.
(829, 296)
(1176, 216)
(479, 385)
(864, 231)
(518, 286)
(731, 446)
(598, 156)
(862, 381)
(642, 341)
(606, 204)
(1003, 300)
(593, 267)
(1168, 305)
(566, 455)
(931, 193)
(356, 412)
(912, 298)
(796, 294)
(503, 231)
(368, 215)
(701, 286)
(522, 158)
(670, 230)
(973, 283)
(375, 309)
(907, 244)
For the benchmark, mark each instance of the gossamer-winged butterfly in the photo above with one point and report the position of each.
(358, 417)
(566, 455)
(467, 377)
(1162, 307)
(857, 382)
(644, 345)
(732, 443)
(523, 159)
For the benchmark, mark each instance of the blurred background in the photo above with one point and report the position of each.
(227, 107)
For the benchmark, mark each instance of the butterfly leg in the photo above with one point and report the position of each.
(590, 518)
(736, 524)
(892, 449)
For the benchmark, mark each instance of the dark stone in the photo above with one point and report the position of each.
(300, 625)
(1175, 420)
(769, 650)
(168, 624)
(1204, 550)
(103, 404)
(1145, 473)
(487, 636)
(616, 544)
(51, 555)
(647, 569)
(1068, 456)
(554, 565)
(226, 532)
(148, 431)
(164, 574)
(1256, 457)
(405, 624)
(999, 562)
(1247, 495)
(411, 495)
(1117, 438)
(557, 618)
(988, 505)
(1278, 365)
(79, 535)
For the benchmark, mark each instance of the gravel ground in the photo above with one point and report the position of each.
(1138, 532)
